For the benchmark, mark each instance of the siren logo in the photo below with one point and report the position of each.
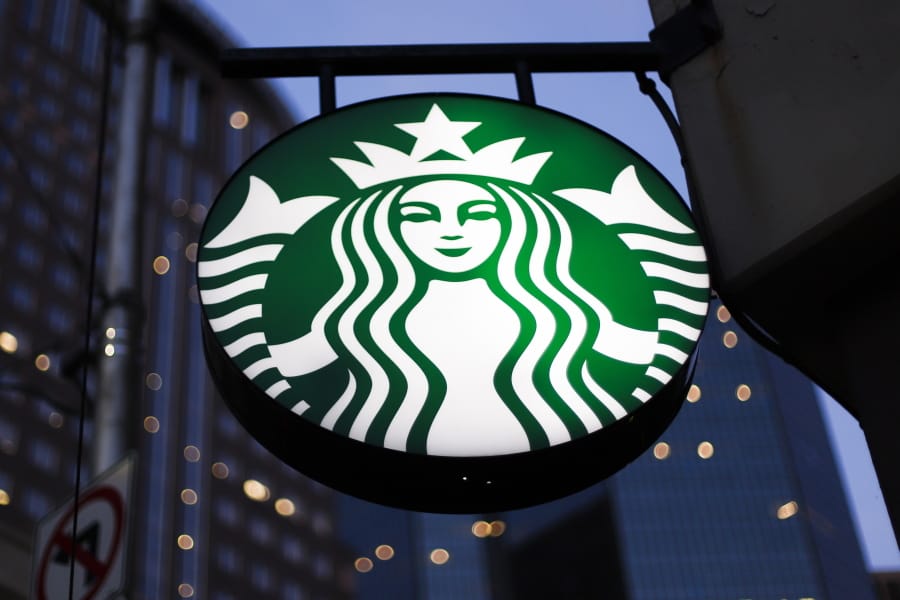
(453, 276)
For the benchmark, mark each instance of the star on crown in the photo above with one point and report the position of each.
(435, 134)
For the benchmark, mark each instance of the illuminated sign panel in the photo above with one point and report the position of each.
(451, 302)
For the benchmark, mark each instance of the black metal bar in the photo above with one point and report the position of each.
(441, 59)
(524, 83)
(648, 88)
(685, 34)
(327, 93)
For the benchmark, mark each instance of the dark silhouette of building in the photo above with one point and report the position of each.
(740, 498)
(216, 516)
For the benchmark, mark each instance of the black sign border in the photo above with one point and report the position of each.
(442, 484)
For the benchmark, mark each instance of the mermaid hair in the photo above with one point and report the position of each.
(394, 391)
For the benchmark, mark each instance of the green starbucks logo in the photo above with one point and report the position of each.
(453, 276)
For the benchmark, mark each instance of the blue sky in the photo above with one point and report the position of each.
(609, 101)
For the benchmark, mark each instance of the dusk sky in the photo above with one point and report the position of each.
(609, 101)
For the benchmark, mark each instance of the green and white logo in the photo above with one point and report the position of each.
(453, 276)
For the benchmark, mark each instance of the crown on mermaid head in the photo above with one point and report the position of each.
(438, 133)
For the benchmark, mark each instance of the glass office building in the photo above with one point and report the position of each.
(216, 516)
(740, 498)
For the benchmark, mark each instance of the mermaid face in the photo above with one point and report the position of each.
(450, 225)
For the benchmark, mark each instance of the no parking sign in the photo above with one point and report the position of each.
(99, 545)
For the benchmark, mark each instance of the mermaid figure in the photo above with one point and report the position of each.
(461, 327)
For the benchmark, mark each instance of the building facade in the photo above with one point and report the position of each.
(740, 498)
(216, 516)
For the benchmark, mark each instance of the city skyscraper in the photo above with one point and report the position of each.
(740, 498)
(215, 516)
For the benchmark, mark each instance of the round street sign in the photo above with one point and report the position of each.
(98, 550)
(451, 303)
(95, 548)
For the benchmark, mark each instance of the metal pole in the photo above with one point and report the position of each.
(524, 84)
(441, 59)
(118, 372)
(327, 93)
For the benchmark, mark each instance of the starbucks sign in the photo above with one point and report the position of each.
(450, 302)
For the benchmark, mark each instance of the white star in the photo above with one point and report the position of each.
(437, 132)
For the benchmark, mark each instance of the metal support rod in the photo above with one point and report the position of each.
(327, 93)
(440, 59)
(118, 374)
(524, 84)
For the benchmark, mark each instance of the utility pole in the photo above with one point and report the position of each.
(118, 393)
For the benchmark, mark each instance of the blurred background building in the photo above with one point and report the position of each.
(739, 499)
(216, 515)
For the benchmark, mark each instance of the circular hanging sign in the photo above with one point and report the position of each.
(451, 303)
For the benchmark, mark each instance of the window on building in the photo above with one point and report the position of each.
(60, 320)
(72, 202)
(161, 90)
(22, 297)
(203, 188)
(227, 424)
(71, 236)
(261, 577)
(228, 559)
(32, 14)
(262, 133)
(9, 439)
(42, 142)
(81, 131)
(64, 278)
(60, 28)
(260, 530)
(39, 177)
(101, 260)
(35, 503)
(293, 549)
(43, 455)
(175, 97)
(49, 107)
(90, 42)
(189, 109)
(293, 591)
(117, 73)
(321, 523)
(6, 482)
(54, 76)
(34, 217)
(16, 87)
(29, 255)
(76, 165)
(226, 511)
(174, 176)
(204, 112)
(85, 98)
(322, 567)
